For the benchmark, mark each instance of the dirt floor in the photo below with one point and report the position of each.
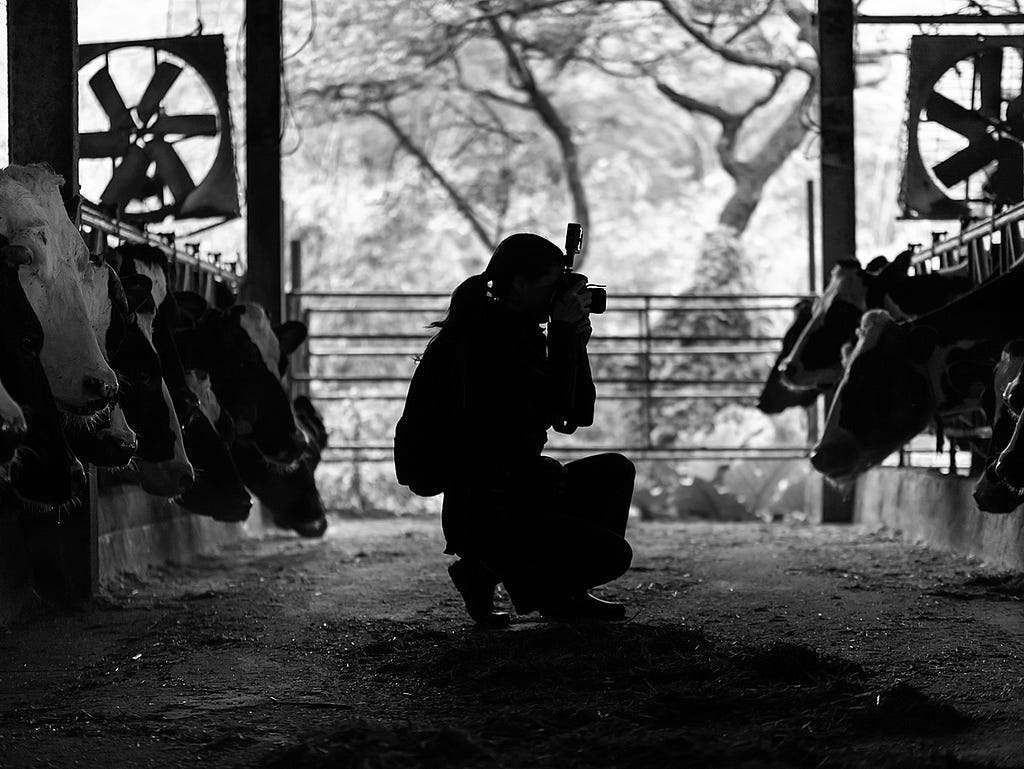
(747, 645)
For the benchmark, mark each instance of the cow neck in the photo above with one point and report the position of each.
(256, 325)
(922, 294)
(989, 312)
(972, 332)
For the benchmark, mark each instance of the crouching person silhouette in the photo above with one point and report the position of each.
(486, 389)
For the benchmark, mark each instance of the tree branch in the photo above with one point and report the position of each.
(549, 116)
(693, 104)
(461, 204)
(724, 51)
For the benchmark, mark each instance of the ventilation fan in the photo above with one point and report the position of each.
(155, 126)
(964, 126)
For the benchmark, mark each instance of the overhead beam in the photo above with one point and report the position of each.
(42, 81)
(264, 211)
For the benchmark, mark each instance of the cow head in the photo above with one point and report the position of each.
(775, 396)
(218, 491)
(291, 496)
(32, 215)
(1000, 489)
(815, 361)
(45, 473)
(886, 396)
(245, 356)
(107, 440)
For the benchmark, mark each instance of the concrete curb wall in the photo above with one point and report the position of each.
(135, 531)
(938, 510)
(138, 530)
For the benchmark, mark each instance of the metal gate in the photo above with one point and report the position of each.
(359, 358)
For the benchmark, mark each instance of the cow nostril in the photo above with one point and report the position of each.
(100, 388)
(832, 457)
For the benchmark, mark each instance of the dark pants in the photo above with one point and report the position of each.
(545, 544)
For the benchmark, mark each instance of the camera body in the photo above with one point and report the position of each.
(573, 244)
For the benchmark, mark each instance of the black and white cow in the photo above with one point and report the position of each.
(816, 360)
(219, 491)
(44, 473)
(245, 357)
(291, 495)
(775, 396)
(32, 215)
(158, 403)
(108, 440)
(287, 489)
(902, 376)
(993, 492)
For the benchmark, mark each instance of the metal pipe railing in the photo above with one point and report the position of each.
(96, 219)
(644, 382)
(960, 245)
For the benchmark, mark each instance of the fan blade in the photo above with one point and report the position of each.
(163, 78)
(185, 125)
(1015, 118)
(989, 66)
(170, 169)
(102, 144)
(110, 99)
(959, 166)
(127, 178)
(956, 118)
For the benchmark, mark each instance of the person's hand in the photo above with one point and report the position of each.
(584, 328)
(553, 475)
(573, 304)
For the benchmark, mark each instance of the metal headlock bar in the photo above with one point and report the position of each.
(990, 247)
(190, 258)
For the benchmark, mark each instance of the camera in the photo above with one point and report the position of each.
(573, 244)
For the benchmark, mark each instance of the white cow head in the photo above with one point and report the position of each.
(32, 215)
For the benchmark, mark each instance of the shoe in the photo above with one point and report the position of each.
(476, 585)
(584, 606)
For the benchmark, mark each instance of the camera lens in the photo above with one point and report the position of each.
(598, 299)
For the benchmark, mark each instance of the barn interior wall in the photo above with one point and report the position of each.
(927, 508)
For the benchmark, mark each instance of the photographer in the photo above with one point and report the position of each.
(547, 531)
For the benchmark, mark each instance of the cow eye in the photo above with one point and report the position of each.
(28, 344)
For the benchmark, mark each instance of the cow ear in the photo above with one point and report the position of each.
(290, 335)
(223, 295)
(138, 289)
(922, 342)
(190, 304)
(899, 267)
(876, 265)
(114, 259)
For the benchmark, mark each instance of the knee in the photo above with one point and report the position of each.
(620, 466)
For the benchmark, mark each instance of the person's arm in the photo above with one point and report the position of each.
(572, 381)
(568, 333)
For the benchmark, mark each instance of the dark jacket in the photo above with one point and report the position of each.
(508, 390)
